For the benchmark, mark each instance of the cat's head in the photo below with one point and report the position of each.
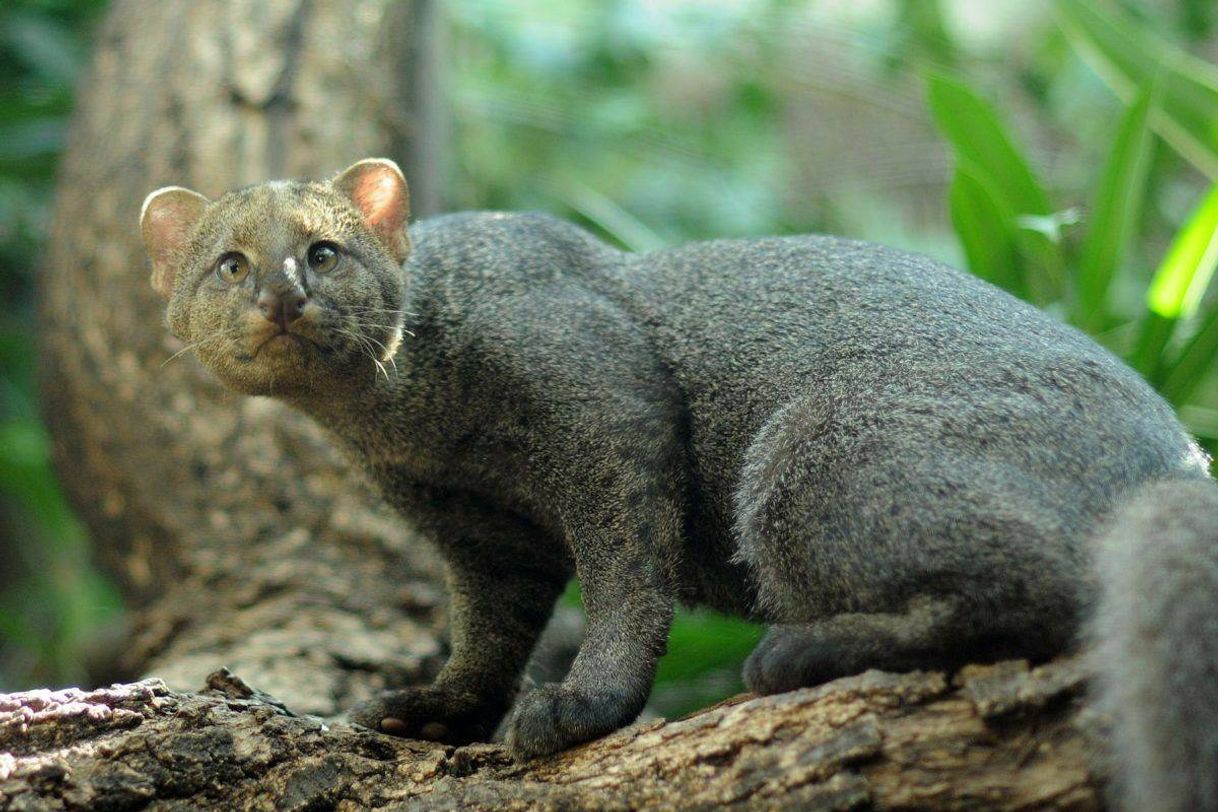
(287, 287)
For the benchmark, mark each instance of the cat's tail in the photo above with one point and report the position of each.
(1155, 643)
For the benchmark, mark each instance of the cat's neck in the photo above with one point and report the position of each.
(366, 402)
(376, 390)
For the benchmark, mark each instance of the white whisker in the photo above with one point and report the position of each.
(365, 344)
(213, 337)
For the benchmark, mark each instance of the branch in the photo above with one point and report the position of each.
(1001, 737)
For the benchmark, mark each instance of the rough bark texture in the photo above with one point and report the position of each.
(1004, 738)
(241, 540)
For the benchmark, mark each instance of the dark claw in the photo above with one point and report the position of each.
(435, 714)
(394, 727)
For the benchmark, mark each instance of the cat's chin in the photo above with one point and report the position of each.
(285, 346)
(279, 365)
(264, 382)
(291, 366)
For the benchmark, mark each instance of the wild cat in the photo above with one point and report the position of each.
(894, 464)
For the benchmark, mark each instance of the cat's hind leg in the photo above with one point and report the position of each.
(795, 655)
(872, 548)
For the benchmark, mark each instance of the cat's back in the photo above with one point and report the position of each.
(787, 294)
(798, 311)
(926, 361)
(503, 253)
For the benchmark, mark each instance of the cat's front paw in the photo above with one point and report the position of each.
(434, 713)
(555, 717)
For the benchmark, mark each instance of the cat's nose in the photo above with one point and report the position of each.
(282, 307)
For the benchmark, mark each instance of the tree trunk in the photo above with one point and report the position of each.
(241, 540)
(235, 531)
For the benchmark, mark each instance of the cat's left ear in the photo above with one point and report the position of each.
(166, 220)
(378, 189)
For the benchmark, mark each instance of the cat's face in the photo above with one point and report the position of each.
(286, 288)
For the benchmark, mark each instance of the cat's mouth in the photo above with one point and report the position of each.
(285, 341)
(276, 343)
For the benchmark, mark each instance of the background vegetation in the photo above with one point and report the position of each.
(1066, 150)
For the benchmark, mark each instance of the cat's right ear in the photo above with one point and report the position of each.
(166, 220)
(378, 189)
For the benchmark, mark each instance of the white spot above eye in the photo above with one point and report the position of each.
(291, 270)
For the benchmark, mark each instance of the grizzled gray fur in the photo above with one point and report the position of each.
(1157, 646)
(894, 464)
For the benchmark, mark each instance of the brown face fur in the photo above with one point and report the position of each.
(350, 322)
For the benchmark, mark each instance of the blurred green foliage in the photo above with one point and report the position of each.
(1065, 151)
(655, 125)
(650, 122)
(51, 600)
(1016, 237)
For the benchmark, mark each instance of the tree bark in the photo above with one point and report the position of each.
(233, 528)
(1004, 738)
(241, 540)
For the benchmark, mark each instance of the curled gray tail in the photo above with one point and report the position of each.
(1155, 635)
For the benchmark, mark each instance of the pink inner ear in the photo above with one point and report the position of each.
(168, 226)
(377, 189)
(379, 198)
(167, 218)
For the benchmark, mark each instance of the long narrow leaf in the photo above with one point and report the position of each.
(986, 232)
(1129, 57)
(1147, 354)
(611, 218)
(1177, 286)
(1116, 212)
(925, 33)
(1196, 361)
(980, 139)
(1185, 272)
(1202, 422)
(978, 135)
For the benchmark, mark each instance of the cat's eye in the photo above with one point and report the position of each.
(323, 256)
(232, 268)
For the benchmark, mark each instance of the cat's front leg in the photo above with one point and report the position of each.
(503, 580)
(629, 612)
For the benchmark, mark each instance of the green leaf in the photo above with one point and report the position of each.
(1185, 272)
(1129, 57)
(1177, 286)
(701, 641)
(1147, 354)
(1116, 212)
(980, 139)
(1195, 363)
(611, 218)
(43, 44)
(922, 35)
(1200, 421)
(986, 232)
(977, 135)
